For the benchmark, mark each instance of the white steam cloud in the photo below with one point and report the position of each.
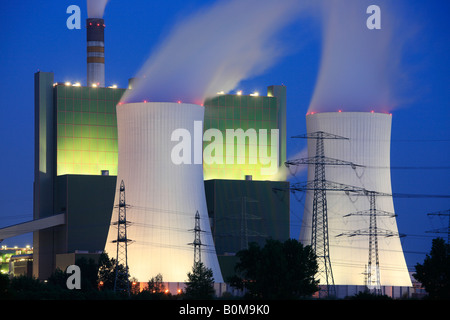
(214, 50)
(359, 67)
(96, 8)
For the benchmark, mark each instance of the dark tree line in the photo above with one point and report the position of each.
(279, 270)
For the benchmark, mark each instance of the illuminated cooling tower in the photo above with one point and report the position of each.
(368, 145)
(162, 197)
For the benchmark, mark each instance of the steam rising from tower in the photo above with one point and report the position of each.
(95, 32)
(359, 67)
(214, 50)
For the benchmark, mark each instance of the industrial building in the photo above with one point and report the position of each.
(245, 211)
(263, 121)
(77, 165)
(78, 174)
(75, 168)
(95, 156)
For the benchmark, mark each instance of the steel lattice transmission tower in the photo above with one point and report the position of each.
(121, 282)
(319, 233)
(197, 240)
(373, 280)
(244, 216)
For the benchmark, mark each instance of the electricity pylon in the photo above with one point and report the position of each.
(197, 240)
(373, 281)
(244, 217)
(319, 233)
(121, 282)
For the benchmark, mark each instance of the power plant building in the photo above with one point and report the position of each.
(262, 119)
(75, 169)
(209, 169)
(239, 185)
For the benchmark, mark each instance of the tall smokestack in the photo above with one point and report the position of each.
(95, 51)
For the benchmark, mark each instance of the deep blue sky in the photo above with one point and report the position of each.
(34, 37)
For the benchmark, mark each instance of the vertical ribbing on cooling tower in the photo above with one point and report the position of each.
(163, 194)
(368, 145)
(95, 32)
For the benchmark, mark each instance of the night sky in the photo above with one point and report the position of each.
(34, 37)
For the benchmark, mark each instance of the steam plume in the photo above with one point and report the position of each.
(359, 67)
(214, 50)
(96, 8)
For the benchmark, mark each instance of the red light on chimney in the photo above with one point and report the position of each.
(179, 101)
(340, 111)
(372, 111)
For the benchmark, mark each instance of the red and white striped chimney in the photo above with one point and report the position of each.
(95, 52)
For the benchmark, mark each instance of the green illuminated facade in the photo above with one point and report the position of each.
(86, 129)
(262, 119)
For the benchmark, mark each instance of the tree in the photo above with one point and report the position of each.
(200, 285)
(4, 286)
(155, 289)
(434, 273)
(155, 284)
(107, 272)
(278, 270)
(89, 270)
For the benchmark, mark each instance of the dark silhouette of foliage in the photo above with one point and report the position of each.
(367, 295)
(434, 273)
(279, 270)
(200, 285)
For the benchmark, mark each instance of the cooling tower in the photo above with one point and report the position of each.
(162, 197)
(95, 34)
(368, 145)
